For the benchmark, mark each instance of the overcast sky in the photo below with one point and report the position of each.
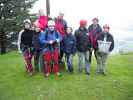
(117, 13)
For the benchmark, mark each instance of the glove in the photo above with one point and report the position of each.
(57, 40)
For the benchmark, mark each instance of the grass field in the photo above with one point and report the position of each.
(16, 84)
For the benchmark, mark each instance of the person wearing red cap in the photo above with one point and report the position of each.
(94, 30)
(83, 46)
(105, 44)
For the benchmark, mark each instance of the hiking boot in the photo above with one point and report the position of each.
(58, 74)
(87, 73)
(31, 73)
(103, 73)
(47, 74)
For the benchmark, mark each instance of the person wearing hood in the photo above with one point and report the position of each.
(83, 46)
(25, 45)
(104, 45)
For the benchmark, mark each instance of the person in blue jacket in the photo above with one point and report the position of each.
(69, 47)
(50, 40)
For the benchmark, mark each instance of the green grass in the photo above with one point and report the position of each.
(16, 84)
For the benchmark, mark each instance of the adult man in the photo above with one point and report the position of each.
(61, 26)
(94, 30)
(83, 45)
(50, 39)
(103, 55)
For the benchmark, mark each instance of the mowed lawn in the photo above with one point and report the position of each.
(16, 84)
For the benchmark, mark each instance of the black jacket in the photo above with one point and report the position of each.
(109, 39)
(36, 41)
(69, 44)
(83, 43)
(95, 31)
(26, 38)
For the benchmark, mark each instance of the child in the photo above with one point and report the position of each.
(69, 48)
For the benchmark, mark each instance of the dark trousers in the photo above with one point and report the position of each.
(90, 56)
(69, 58)
(36, 60)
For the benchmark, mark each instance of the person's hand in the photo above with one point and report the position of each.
(57, 40)
(51, 42)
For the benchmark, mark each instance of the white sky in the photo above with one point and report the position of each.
(117, 13)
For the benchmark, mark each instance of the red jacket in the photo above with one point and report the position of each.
(43, 21)
(61, 26)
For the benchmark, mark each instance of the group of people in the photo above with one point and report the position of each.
(49, 40)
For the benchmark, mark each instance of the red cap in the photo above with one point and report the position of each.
(83, 22)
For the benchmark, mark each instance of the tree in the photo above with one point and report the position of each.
(12, 14)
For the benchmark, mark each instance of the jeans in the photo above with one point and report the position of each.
(69, 58)
(101, 62)
(83, 57)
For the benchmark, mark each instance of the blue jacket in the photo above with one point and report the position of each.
(47, 36)
(69, 44)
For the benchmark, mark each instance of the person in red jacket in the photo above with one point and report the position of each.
(43, 20)
(61, 26)
(94, 30)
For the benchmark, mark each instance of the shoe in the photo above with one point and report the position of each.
(47, 74)
(87, 73)
(58, 74)
(31, 73)
(103, 73)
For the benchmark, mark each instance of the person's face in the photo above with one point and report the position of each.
(69, 30)
(27, 26)
(106, 30)
(82, 27)
(95, 22)
(51, 28)
(60, 17)
(37, 29)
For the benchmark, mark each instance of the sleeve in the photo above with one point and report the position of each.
(100, 29)
(59, 39)
(74, 45)
(19, 40)
(89, 29)
(65, 24)
(42, 38)
(76, 33)
(112, 44)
